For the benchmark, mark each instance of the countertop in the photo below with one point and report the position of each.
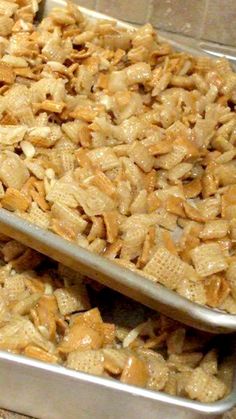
(10, 415)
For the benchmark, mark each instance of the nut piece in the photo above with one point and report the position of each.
(135, 372)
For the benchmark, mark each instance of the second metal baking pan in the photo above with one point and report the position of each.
(49, 391)
(52, 392)
(153, 295)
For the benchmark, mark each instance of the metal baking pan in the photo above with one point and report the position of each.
(98, 268)
(51, 392)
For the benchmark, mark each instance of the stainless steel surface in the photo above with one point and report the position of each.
(51, 392)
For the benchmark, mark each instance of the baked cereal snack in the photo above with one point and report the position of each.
(114, 141)
(47, 312)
